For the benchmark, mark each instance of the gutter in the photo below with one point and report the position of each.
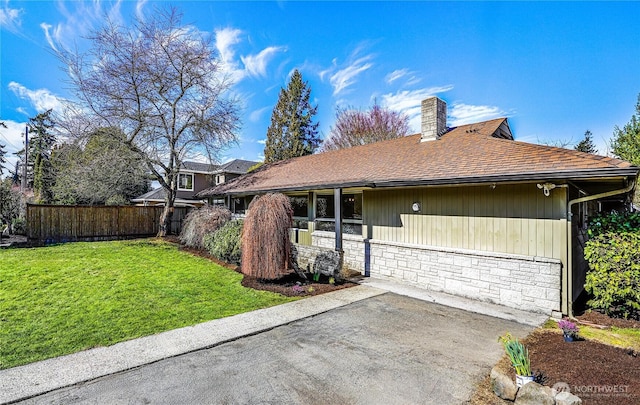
(570, 236)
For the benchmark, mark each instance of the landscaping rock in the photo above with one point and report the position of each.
(534, 394)
(502, 385)
(328, 263)
(567, 398)
(316, 259)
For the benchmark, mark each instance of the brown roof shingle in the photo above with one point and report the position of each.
(465, 154)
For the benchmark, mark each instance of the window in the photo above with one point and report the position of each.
(300, 211)
(185, 182)
(351, 213)
(299, 205)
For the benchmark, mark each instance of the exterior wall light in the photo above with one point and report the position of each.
(416, 207)
(546, 188)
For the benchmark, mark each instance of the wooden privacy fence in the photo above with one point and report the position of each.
(66, 223)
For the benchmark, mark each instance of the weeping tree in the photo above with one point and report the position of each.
(266, 246)
(162, 85)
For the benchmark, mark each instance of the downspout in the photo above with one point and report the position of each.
(570, 236)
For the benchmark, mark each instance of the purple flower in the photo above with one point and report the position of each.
(568, 327)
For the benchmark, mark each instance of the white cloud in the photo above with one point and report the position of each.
(395, 75)
(224, 41)
(47, 34)
(78, 22)
(41, 99)
(341, 77)
(256, 65)
(253, 65)
(262, 141)
(409, 102)
(256, 115)
(139, 9)
(10, 18)
(460, 113)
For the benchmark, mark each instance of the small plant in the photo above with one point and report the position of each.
(332, 280)
(310, 289)
(297, 289)
(316, 277)
(569, 329)
(518, 354)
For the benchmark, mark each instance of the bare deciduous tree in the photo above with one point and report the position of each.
(355, 127)
(162, 85)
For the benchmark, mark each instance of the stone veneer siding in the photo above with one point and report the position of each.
(353, 247)
(522, 282)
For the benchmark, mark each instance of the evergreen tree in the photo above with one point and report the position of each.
(40, 147)
(626, 142)
(103, 170)
(292, 132)
(586, 145)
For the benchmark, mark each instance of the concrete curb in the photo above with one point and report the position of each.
(34, 379)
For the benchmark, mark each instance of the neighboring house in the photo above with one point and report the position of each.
(465, 210)
(194, 177)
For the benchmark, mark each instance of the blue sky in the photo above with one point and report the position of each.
(555, 69)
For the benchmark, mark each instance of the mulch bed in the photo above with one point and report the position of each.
(597, 319)
(599, 374)
(290, 286)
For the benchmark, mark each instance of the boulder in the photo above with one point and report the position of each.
(567, 398)
(534, 394)
(328, 263)
(502, 385)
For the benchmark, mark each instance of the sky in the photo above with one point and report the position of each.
(555, 69)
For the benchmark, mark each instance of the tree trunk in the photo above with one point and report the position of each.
(167, 214)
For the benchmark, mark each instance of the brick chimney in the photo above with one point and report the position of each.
(434, 118)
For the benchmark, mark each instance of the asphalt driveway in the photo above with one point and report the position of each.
(388, 349)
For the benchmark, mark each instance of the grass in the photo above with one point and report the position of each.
(62, 299)
(626, 338)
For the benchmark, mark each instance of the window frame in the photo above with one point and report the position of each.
(180, 183)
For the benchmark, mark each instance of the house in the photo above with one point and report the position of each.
(465, 210)
(194, 177)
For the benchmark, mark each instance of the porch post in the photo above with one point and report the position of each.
(337, 204)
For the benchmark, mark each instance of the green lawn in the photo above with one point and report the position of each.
(66, 298)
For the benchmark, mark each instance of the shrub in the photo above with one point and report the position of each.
(202, 221)
(614, 222)
(225, 242)
(266, 248)
(19, 226)
(117, 199)
(614, 276)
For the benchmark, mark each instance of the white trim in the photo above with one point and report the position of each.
(193, 179)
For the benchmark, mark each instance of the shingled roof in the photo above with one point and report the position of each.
(475, 153)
